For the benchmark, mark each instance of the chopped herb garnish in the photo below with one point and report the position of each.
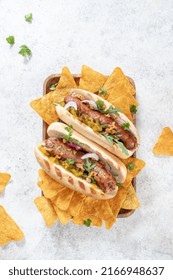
(28, 17)
(130, 166)
(25, 51)
(102, 91)
(133, 109)
(89, 165)
(10, 40)
(100, 104)
(122, 147)
(87, 222)
(109, 138)
(68, 136)
(119, 184)
(53, 87)
(111, 110)
(70, 161)
(126, 126)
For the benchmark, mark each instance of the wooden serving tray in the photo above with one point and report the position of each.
(54, 78)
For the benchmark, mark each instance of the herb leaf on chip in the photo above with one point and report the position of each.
(130, 166)
(10, 40)
(87, 222)
(133, 109)
(53, 86)
(102, 91)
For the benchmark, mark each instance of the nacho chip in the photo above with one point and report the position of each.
(66, 79)
(137, 165)
(48, 185)
(63, 198)
(76, 203)
(131, 201)
(4, 179)
(123, 104)
(164, 145)
(44, 106)
(9, 230)
(118, 82)
(63, 216)
(46, 209)
(91, 80)
(116, 202)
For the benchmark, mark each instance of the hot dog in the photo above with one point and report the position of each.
(100, 122)
(78, 163)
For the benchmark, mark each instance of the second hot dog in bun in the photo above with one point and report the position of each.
(99, 121)
(80, 164)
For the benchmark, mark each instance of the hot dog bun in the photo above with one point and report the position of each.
(85, 130)
(68, 179)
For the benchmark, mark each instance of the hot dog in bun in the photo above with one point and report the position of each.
(99, 121)
(79, 163)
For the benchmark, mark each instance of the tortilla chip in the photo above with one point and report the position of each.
(123, 104)
(66, 79)
(116, 202)
(164, 145)
(9, 230)
(4, 179)
(49, 186)
(46, 209)
(63, 198)
(91, 80)
(138, 166)
(44, 106)
(63, 216)
(131, 201)
(117, 82)
(76, 203)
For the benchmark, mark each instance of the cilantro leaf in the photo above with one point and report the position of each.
(87, 222)
(93, 180)
(28, 17)
(68, 136)
(126, 126)
(88, 165)
(102, 91)
(100, 104)
(53, 86)
(133, 109)
(130, 166)
(122, 147)
(10, 40)
(70, 161)
(25, 51)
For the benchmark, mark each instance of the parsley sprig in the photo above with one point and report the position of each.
(100, 104)
(130, 166)
(68, 136)
(25, 51)
(126, 126)
(28, 17)
(133, 109)
(89, 165)
(53, 86)
(10, 40)
(70, 161)
(110, 110)
(87, 222)
(102, 91)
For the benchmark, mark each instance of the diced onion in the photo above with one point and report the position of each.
(91, 102)
(90, 155)
(71, 104)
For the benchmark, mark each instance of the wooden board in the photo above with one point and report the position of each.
(54, 78)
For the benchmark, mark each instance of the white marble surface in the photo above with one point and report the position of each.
(135, 35)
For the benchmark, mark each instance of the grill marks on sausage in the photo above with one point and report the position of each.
(104, 179)
(126, 137)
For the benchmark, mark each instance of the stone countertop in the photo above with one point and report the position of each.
(138, 37)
